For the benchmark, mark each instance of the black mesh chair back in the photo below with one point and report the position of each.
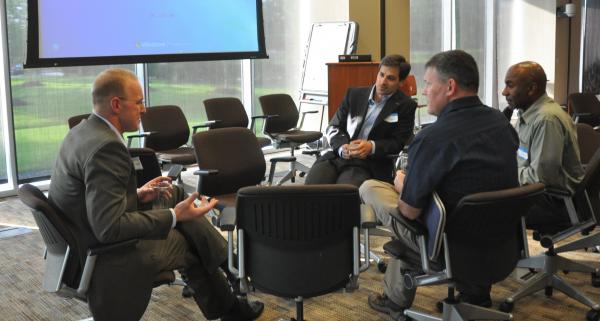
(298, 240)
(226, 111)
(235, 153)
(61, 246)
(589, 141)
(484, 233)
(284, 107)
(75, 120)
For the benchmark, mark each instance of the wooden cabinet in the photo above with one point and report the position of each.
(343, 75)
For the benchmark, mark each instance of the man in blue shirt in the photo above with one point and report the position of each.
(470, 148)
(371, 123)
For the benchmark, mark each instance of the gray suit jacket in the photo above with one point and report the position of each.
(94, 185)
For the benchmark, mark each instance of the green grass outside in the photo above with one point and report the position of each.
(41, 109)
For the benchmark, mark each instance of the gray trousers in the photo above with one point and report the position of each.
(383, 198)
(194, 247)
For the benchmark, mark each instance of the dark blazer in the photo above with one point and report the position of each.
(393, 127)
(94, 185)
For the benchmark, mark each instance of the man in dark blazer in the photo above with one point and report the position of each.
(372, 123)
(94, 185)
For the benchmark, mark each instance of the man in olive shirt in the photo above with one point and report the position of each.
(548, 149)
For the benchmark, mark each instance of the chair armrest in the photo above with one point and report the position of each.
(414, 226)
(205, 124)
(304, 115)
(283, 159)
(102, 249)
(139, 135)
(368, 219)
(204, 172)
(228, 219)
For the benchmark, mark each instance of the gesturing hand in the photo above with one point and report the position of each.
(187, 210)
(147, 193)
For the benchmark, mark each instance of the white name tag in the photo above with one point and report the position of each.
(523, 153)
(392, 118)
(137, 164)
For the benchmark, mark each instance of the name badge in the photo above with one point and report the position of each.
(523, 153)
(392, 118)
(137, 164)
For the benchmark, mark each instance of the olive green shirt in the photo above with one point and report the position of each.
(548, 149)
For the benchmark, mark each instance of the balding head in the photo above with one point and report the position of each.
(118, 98)
(109, 83)
(525, 82)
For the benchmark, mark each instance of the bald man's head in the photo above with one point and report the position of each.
(525, 82)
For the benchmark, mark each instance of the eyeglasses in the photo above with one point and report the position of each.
(140, 102)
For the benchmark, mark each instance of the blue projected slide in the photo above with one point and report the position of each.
(100, 28)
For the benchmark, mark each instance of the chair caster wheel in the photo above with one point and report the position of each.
(187, 292)
(382, 267)
(301, 174)
(593, 315)
(506, 306)
(596, 280)
(565, 272)
(548, 291)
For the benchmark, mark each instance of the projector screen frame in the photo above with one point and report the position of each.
(33, 59)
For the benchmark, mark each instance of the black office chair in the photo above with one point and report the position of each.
(169, 134)
(295, 241)
(583, 209)
(229, 112)
(481, 241)
(75, 120)
(589, 142)
(66, 273)
(585, 108)
(283, 129)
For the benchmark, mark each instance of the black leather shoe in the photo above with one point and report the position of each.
(383, 304)
(243, 310)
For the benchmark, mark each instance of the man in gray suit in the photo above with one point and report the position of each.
(94, 184)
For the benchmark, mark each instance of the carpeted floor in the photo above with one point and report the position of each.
(22, 298)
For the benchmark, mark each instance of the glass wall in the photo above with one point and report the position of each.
(469, 13)
(425, 41)
(188, 84)
(42, 101)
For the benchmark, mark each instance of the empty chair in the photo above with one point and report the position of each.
(282, 127)
(229, 112)
(585, 108)
(228, 159)
(170, 134)
(481, 241)
(66, 271)
(295, 241)
(589, 141)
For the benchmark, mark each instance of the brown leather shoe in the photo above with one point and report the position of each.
(383, 304)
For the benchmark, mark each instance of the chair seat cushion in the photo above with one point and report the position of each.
(181, 155)
(297, 136)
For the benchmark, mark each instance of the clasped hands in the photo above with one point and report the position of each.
(184, 210)
(358, 148)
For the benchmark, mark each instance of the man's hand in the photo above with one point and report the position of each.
(360, 148)
(399, 181)
(187, 210)
(147, 193)
(345, 151)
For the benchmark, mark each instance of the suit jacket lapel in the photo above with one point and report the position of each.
(391, 105)
(361, 113)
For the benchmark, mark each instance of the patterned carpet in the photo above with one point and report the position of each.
(22, 298)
